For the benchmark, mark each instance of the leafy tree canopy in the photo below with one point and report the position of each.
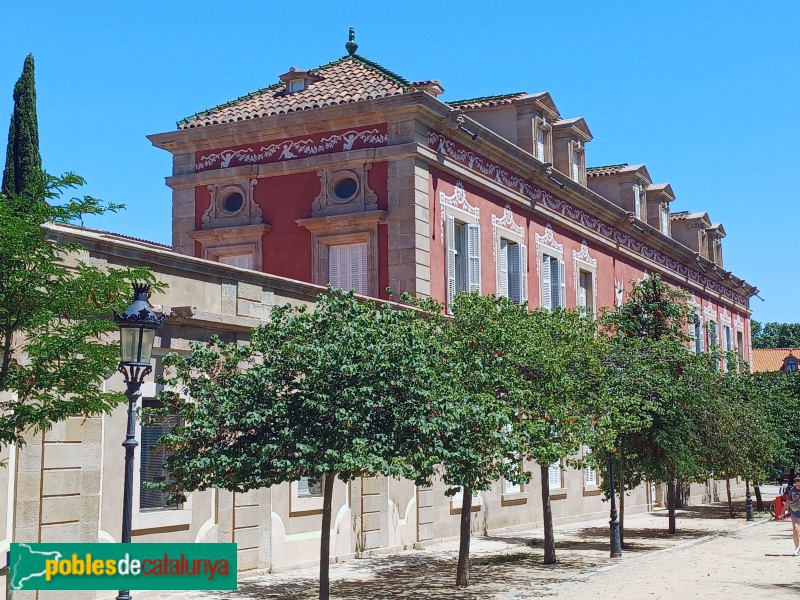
(23, 162)
(54, 312)
(775, 335)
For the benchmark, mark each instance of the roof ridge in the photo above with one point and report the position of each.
(606, 166)
(485, 98)
(391, 75)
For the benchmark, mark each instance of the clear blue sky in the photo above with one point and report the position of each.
(704, 93)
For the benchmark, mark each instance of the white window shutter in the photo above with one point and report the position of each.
(451, 262)
(502, 266)
(474, 256)
(333, 266)
(523, 272)
(665, 220)
(554, 475)
(547, 295)
(358, 268)
(637, 203)
(513, 273)
(562, 284)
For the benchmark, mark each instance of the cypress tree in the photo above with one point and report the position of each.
(23, 161)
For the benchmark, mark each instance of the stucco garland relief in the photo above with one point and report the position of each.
(725, 316)
(467, 158)
(710, 312)
(619, 292)
(289, 149)
(584, 256)
(505, 222)
(738, 323)
(586, 259)
(546, 240)
(457, 200)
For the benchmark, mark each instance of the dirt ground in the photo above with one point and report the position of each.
(711, 556)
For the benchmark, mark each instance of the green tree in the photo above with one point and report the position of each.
(775, 335)
(340, 392)
(54, 312)
(738, 437)
(478, 393)
(663, 382)
(565, 406)
(23, 162)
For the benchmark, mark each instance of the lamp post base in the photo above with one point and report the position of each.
(124, 595)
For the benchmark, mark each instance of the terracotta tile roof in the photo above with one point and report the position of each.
(771, 359)
(605, 170)
(487, 101)
(348, 79)
(685, 215)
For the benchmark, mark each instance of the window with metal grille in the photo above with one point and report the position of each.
(152, 459)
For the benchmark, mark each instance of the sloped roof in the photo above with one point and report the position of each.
(487, 101)
(349, 79)
(687, 215)
(772, 359)
(605, 170)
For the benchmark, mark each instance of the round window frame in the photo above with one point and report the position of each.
(338, 178)
(222, 197)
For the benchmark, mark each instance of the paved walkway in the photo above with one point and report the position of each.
(711, 556)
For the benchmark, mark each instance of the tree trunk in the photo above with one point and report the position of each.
(462, 573)
(325, 540)
(621, 489)
(671, 501)
(759, 500)
(549, 539)
(730, 501)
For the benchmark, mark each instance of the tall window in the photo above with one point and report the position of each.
(554, 476)
(463, 258)
(698, 335)
(665, 219)
(577, 163)
(553, 286)
(740, 344)
(541, 139)
(586, 291)
(589, 473)
(638, 200)
(152, 460)
(347, 267)
(512, 267)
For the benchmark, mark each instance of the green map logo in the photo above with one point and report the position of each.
(122, 566)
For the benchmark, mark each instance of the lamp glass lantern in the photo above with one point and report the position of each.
(137, 329)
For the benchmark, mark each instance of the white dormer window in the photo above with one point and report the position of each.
(577, 162)
(541, 141)
(638, 192)
(296, 85)
(665, 219)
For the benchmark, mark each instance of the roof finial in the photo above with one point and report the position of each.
(351, 43)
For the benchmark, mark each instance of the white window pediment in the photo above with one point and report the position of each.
(458, 200)
(548, 240)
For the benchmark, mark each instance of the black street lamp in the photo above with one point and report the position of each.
(748, 505)
(137, 332)
(616, 544)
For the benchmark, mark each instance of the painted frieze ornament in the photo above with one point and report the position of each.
(291, 149)
(467, 158)
(457, 200)
(505, 222)
(583, 255)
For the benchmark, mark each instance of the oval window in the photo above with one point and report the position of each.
(233, 203)
(345, 188)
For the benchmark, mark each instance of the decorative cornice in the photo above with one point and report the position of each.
(368, 218)
(288, 149)
(483, 166)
